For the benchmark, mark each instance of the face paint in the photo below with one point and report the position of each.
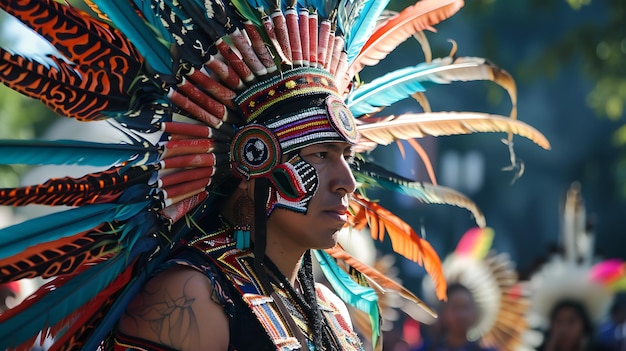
(293, 185)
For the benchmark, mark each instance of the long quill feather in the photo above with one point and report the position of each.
(423, 15)
(403, 83)
(78, 92)
(73, 152)
(17, 238)
(375, 176)
(445, 123)
(361, 297)
(145, 39)
(380, 280)
(404, 240)
(357, 19)
(70, 29)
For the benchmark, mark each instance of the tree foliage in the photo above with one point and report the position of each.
(550, 38)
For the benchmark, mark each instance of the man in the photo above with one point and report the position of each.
(231, 166)
(190, 305)
(176, 309)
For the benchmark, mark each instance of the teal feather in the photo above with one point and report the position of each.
(73, 152)
(356, 295)
(401, 84)
(357, 19)
(390, 88)
(180, 230)
(153, 20)
(54, 303)
(17, 238)
(152, 48)
(371, 175)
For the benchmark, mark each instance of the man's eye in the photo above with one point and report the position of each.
(320, 155)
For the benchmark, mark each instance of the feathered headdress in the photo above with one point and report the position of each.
(491, 279)
(573, 275)
(204, 91)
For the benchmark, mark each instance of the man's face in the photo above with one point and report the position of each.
(327, 211)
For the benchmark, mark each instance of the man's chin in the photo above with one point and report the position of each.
(328, 243)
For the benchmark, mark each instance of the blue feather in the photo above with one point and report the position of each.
(73, 152)
(148, 12)
(323, 7)
(357, 19)
(393, 87)
(58, 303)
(267, 6)
(17, 238)
(152, 48)
(356, 295)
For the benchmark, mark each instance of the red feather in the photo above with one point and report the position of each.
(103, 62)
(77, 35)
(94, 188)
(63, 256)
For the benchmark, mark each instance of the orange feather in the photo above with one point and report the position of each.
(423, 15)
(404, 240)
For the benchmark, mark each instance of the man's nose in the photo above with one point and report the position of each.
(344, 179)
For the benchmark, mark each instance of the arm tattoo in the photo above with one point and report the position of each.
(172, 320)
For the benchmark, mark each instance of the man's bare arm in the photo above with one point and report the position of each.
(175, 309)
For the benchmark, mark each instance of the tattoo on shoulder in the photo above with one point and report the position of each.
(170, 315)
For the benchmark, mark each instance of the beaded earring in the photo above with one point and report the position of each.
(244, 214)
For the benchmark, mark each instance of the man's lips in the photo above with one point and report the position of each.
(339, 213)
(340, 210)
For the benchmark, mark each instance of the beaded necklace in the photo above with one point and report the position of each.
(296, 302)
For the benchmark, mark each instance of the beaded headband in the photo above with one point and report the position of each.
(286, 113)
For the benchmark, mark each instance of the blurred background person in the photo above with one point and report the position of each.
(456, 318)
(486, 309)
(568, 297)
(570, 328)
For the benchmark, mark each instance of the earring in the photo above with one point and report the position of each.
(244, 214)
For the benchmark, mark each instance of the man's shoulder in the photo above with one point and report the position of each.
(175, 309)
(188, 278)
